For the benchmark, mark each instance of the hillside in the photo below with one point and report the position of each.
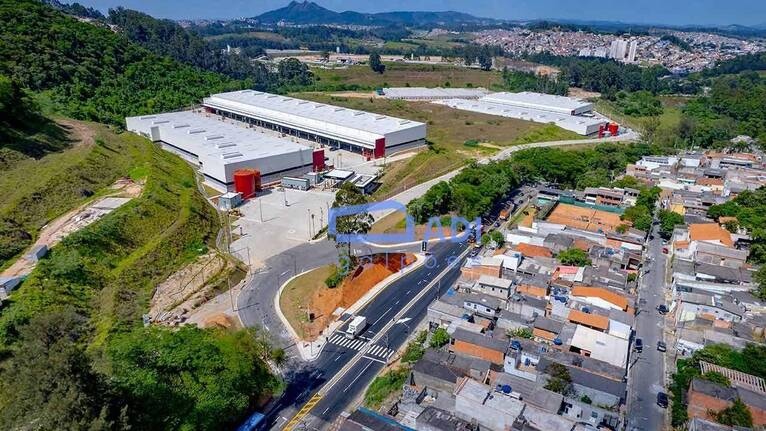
(74, 353)
(307, 12)
(88, 72)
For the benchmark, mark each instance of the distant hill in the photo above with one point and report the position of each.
(307, 12)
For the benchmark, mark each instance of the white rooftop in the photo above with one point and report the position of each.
(206, 135)
(569, 122)
(538, 101)
(433, 93)
(602, 346)
(328, 114)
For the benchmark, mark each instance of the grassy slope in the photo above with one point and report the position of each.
(401, 74)
(108, 269)
(37, 191)
(294, 296)
(448, 130)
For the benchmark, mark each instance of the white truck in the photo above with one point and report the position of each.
(356, 327)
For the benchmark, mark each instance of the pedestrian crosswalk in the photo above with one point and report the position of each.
(380, 352)
(342, 341)
(375, 351)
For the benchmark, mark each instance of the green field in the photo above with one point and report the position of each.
(448, 130)
(402, 75)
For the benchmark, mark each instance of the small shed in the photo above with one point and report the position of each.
(229, 201)
(295, 183)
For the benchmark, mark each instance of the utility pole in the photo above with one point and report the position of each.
(260, 208)
(309, 223)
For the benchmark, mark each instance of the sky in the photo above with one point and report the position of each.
(676, 12)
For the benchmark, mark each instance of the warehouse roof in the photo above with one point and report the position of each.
(484, 106)
(545, 102)
(251, 100)
(202, 134)
(433, 93)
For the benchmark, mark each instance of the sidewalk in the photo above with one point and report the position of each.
(310, 350)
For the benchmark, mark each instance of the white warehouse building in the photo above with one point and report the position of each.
(363, 132)
(219, 148)
(542, 102)
(422, 93)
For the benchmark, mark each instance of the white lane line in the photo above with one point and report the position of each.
(357, 377)
(397, 302)
(381, 316)
(325, 411)
(336, 358)
(372, 359)
(408, 292)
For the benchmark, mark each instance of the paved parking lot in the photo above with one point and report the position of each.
(278, 220)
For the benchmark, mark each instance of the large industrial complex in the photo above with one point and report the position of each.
(358, 131)
(565, 112)
(276, 135)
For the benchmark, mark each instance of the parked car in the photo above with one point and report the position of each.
(662, 308)
(661, 346)
(662, 399)
(639, 345)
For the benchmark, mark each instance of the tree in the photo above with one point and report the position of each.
(439, 338)
(524, 332)
(559, 380)
(485, 58)
(376, 64)
(640, 216)
(50, 384)
(360, 223)
(574, 257)
(735, 415)
(668, 221)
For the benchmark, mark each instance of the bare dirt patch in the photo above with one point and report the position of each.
(187, 289)
(307, 296)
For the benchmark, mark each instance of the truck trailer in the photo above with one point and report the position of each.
(356, 327)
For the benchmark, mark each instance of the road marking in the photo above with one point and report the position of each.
(303, 412)
(372, 359)
(325, 411)
(397, 302)
(381, 316)
(408, 292)
(357, 377)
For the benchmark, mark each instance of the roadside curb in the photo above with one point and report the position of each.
(315, 347)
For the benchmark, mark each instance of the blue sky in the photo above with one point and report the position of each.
(703, 12)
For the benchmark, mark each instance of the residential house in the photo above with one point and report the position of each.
(603, 298)
(600, 345)
(690, 306)
(433, 419)
(492, 409)
(478, 346)
(494, 286)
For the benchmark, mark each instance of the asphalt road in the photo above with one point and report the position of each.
(305, 379)
(646, 375)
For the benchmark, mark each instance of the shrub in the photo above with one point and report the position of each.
(439, 338)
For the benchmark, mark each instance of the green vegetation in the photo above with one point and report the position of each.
(471, 193)
(735, 105)
(716, 377)
(383, 386)
(376, 65)
(415, 348)
(335, 277)
(93, 289)
(586, 399)
(297, 294)
(574, 257)
(439, 338)
(749, 360)
(91, 73)
(523, 81)
(524, 332)
(735, 415)
(591, 167)
(607, 76)
(640, 103)
(668, 221)
(355, 224)
(559, 380)
(677, 41)
(495, 237)
(641, 214)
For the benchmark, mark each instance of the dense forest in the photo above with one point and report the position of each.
(735, 105)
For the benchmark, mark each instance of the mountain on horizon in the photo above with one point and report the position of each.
(308, 12)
